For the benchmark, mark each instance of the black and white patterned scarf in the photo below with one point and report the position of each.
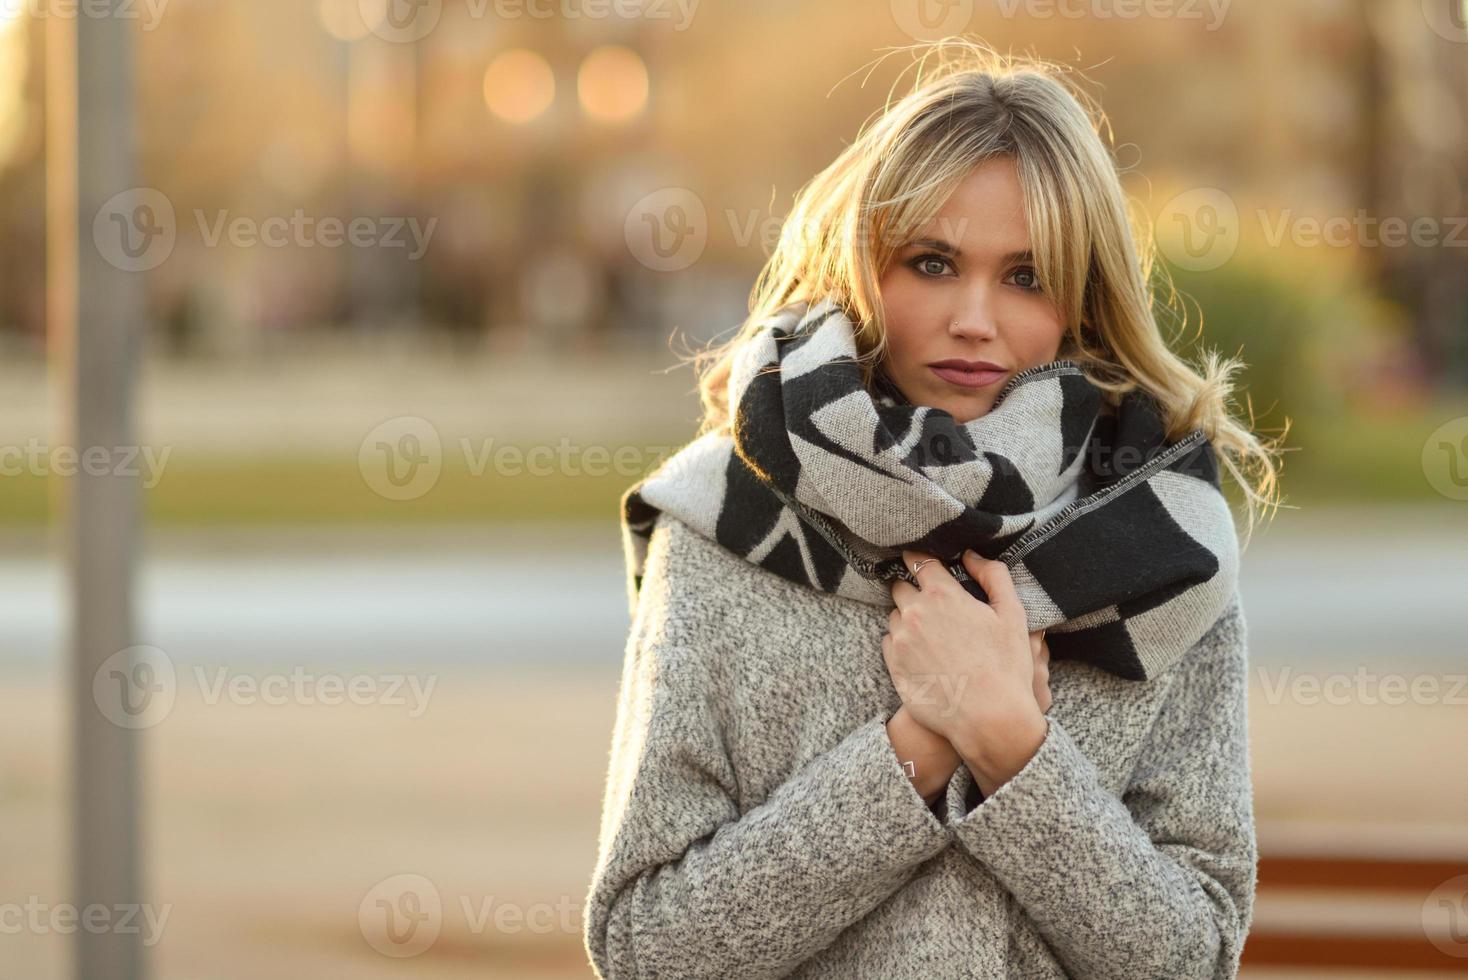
(1121, 545)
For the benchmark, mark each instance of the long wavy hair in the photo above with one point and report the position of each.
(969, 104)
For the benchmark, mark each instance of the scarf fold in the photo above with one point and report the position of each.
(1120, 544)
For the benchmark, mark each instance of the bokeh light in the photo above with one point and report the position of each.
(518, 86)
(612, 84)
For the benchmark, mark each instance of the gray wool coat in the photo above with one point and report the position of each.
(757, 822)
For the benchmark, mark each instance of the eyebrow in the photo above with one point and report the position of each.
(939, 245)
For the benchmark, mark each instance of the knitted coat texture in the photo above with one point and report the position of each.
(757, 822)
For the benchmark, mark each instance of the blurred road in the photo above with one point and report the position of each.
(1339, 586)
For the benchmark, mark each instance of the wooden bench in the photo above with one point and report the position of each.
(1336, 897)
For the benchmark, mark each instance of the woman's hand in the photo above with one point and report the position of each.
(1041, 650)
(969, 670)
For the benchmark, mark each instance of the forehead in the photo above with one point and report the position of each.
(985, 213)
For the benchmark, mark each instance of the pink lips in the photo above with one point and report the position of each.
(965, 377)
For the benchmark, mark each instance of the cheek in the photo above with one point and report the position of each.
(898, 296)
(1038, 331)
(904, 310)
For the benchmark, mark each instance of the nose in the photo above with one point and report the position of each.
(975, 316)
(975, 321)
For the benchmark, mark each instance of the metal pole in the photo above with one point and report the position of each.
(94, 311)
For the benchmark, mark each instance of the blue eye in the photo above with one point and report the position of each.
(919, 263)
(1034, 285)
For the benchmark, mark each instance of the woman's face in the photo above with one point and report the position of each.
(965, 290)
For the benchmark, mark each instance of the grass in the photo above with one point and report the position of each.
(1345, 459)
(315, 490)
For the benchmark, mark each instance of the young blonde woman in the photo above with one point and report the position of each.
(938, 665)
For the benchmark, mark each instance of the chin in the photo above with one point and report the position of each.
(966, 411)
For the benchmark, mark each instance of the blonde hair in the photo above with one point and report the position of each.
(972, 105)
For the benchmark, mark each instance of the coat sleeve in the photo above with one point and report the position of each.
(1159, 883)
(686, 886)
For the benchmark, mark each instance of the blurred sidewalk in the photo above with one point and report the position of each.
(327, 401)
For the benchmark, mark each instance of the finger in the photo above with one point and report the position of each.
(933, 572)
(892, 662)
(904, 592)
(1042, 674)
(1043, 699)
(993, 577)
